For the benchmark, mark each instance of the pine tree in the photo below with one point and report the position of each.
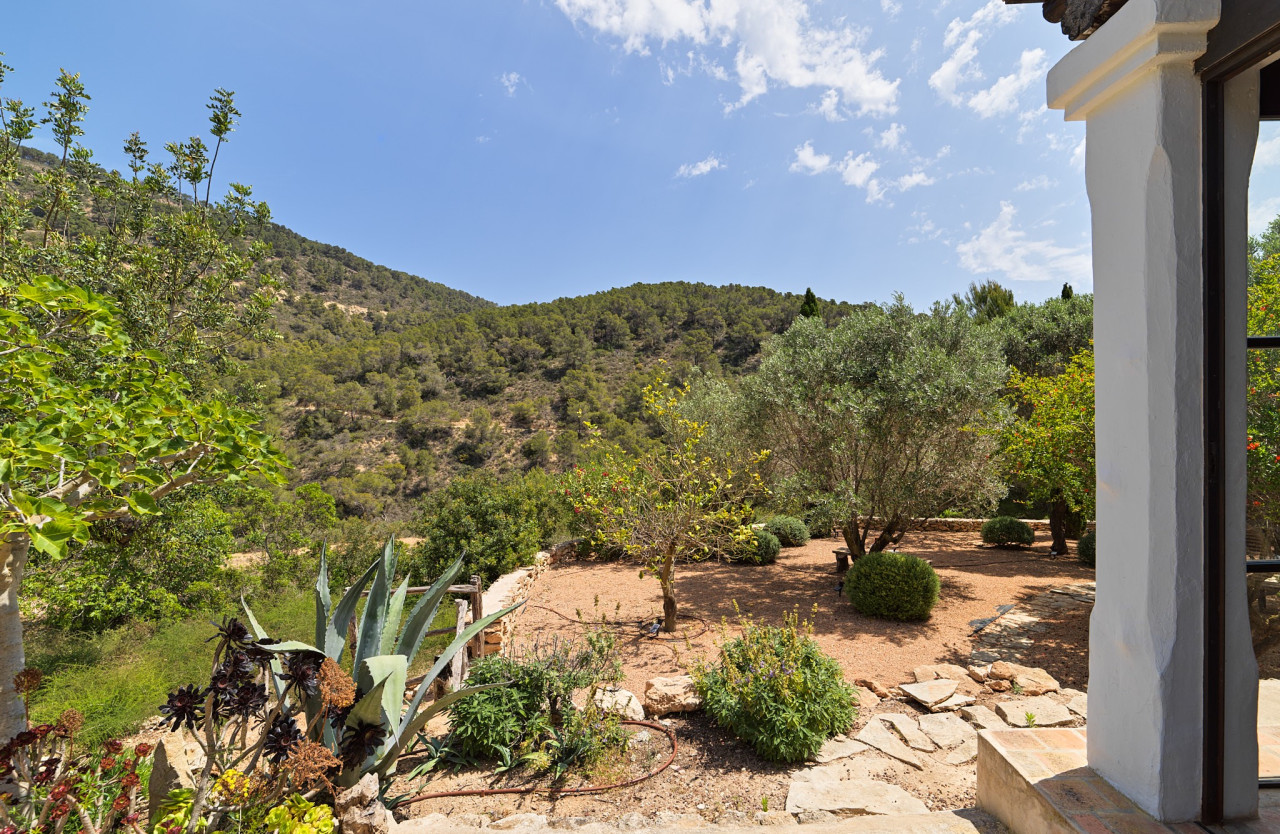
(1067, 292)
(810, 309)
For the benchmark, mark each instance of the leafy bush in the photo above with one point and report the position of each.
(753, 547)
(790, 532)
(775, 689)
(895, 586)
(1004, 530)
(501, 524)
(1087, 548)
(529, 717)
(299, 815)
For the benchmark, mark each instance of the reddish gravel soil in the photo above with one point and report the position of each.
(716, 772)
(974, 581)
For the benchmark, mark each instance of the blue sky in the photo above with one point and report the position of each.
(524, 151)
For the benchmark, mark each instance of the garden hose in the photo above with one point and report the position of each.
(653, 725)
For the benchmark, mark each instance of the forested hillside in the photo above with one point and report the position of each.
(381, 404)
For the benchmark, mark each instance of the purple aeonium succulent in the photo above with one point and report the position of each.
(301, 670)
(360, 741)
(232, 631)
(282, 736)
(249, 699)
(185, 706)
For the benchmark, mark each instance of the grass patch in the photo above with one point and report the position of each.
(118, 678)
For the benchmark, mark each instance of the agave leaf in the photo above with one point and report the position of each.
(424, 613)
(291, 646)
(335, 639)
(369, 636)
(368, 710)
(420, 720)
(324, 601)
(395, 613)
(390, 670)
(458, 643)
(276, 669)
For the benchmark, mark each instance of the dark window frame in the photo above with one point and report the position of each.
(1247, 34)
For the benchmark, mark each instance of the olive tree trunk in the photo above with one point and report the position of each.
(13, 560)
(1058, 515)
(667, 578)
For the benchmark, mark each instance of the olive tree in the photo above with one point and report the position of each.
(891, 415)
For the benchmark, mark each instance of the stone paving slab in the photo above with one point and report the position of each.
(1047, 712)
(877, 735)
(948, 730)
(909, 729)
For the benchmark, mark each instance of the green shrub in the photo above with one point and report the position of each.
(533, 719)
(895, 586)
(1004, 530)
(1087, 548)
(500, 523)
(775, 689)
(790, 531)
(754, 547)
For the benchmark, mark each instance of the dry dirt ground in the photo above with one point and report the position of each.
(714, 772)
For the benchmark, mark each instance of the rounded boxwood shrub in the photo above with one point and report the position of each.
(776, 690)
(894, 586)
(1005, 530)
(790, 531)
(1087, 548)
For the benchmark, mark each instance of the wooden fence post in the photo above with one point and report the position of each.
(458, 665)
(477, 614)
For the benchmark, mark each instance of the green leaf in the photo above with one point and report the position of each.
(324, 601)
(391, 623)
(424, 613)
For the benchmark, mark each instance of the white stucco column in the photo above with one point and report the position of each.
(1134, 85)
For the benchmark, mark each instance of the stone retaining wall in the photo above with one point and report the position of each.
(974, 525)
(511, 588)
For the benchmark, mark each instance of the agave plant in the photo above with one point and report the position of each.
(378, 725)
(351, 727)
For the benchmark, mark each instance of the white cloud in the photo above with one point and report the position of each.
(1268, 153)
(1004, 248)
(697, 169)
(1077, 155)
(829, 107)
(912, 180)
(511, 81)
(1002, 96)
(891, 136)
(857, 170)
(961, 41)
(774, 42)
(891, 7)
(1036, 183)
(1262, 213)
(809, 161)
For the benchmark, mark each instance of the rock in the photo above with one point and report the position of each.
(640, 739)
(947, 730)
(620, 701)
(930, 692)
(866, 698)
(851, 797)
(840, 747)
(632, 821)
(570, 823)
(527, 822)
(421, 825)
(965, 753)
(877, 735)
(876, 687)
(953, 703)
(907, 727)
(359, 811)
(999, 686)
(1047, 712)
(980, 673)
(1032, 681)
(939, 671)
(774, 818)
(469, 821)
(170, 770)
(732, 819)
(1077, 701)
(983, 718)
(670, 819)
(663, 696)
(815, 817)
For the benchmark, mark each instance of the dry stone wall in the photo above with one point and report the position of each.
(512, 588)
